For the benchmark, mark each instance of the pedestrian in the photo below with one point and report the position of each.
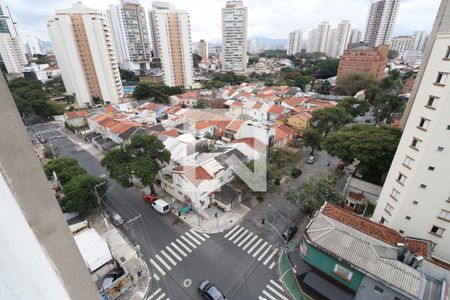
(329, 163)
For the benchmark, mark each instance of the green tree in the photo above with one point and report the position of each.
(196, 59)
(312, 193)
(351, 83)
(65, 168)
(330, 119)
(302, 81)
(312, 138)
(128, 76)
(392, 54)
(324, 87)
(79, 194)
(155, 63)
(385, 106)
(373, 147)
(327, 68)
(159, 93)
(140, 158)
(354, 106)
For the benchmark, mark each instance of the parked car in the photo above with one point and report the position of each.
(161, 206)
(209, 291)
(312, 159)
(117, 220)
(296, 173)
(110, 278)
(150, 198)
(289, 232)
(368, 120)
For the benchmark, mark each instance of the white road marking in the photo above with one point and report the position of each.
(154, 294)
(232, 230)
(157, 267)
(173, 253)
(261, 298)
(179, 250)
(184, 246)
(276, 284)
(270, 256)
(269, 295)
(260, 248)
(188, 241)
(240, 237)
(251, 241)
(277, 293)
(264, 253)
(163, 262)
(193, 238)
(197, 235)
(246, 238)
(236, 233)
(272, 265)
(156, 277)
(168, 257)
(162, 296)
(205, 235)
(254, 246)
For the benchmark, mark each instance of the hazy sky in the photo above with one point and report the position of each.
(270, 18)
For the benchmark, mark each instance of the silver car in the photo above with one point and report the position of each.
(311, 159)
(117, 220)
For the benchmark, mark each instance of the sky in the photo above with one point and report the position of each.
(269, 18)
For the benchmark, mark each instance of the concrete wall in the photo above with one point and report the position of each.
(367, 291)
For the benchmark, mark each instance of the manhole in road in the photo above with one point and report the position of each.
(187, 283)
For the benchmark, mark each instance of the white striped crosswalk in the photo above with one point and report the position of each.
(172, 254)
(158, 295)
(257, 247)
(273, 291)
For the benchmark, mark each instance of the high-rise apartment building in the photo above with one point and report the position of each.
(234, 36)
(381, 21)
(420, 40)
(401, 43)
(12, 51)
(355, 36)
(338, 39)
(130, 35)
(294, 42)
(415, 199)
(33, 45)
(171, 38)
(83, 46)
(203, 49)
(318, 38)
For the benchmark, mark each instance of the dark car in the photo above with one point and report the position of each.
(289, 233)
(296, 173)
(209, 291)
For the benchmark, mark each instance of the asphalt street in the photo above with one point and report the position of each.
(241, 261)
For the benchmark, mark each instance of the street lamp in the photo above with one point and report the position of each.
(263, 221)
(271, 206)
(99, 202)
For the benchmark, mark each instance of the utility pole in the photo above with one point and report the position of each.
(51, 147)
(99, 202)
(263, 221)
(271, 206)
(136, 246)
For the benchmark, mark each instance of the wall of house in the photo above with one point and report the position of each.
(367, 291)
(297, 123)
(326, 263)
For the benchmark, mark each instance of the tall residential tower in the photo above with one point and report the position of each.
(171, 38)
(203, 49)
(318, 38)
(130, 35)
(381, 21)
(234, 36)
(294, 42)
(415, 199)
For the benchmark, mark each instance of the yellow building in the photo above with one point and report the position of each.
(299, 121)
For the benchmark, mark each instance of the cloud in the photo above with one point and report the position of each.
(266, 17)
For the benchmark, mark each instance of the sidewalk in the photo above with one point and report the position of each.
(289, 278)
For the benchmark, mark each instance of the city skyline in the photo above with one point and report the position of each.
(205, 16)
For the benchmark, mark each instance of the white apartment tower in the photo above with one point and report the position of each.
(171, 38)
(415, 199)
(420, 40)
(338, 39)
(234, 36)
(355, 36)
(203, 49)
(83, 46)
(33, 45)
(12, 51)
(294, 42)
(401, 43)
(318, 38)
(130, 35)
(381, 21)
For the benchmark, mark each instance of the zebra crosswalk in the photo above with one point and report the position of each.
(255, 246)
(158, 295)
(169, 257)
(273, 291)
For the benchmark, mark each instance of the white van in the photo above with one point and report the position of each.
(161, 206)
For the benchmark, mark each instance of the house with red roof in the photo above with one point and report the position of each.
(284, 135)
(189, 99)
(76, 119)
(275, 111)
(299, 121)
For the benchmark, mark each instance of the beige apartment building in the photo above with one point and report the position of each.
(203, 49)
(84, 49)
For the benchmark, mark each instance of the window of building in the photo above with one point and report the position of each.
(436, 230)
(445, 215)
(415, 202)
(401, 178)
(408, 161)
(432, 100)
(441, 78)
(378, 289)
(343, 272)
(382, 220)
(424, 123)
(447, 54)
(431, 168)
(389, 208)
(440, 148)
(423, 186)
(395, 194)
(415, 143)
(408, 218)
(401, 231)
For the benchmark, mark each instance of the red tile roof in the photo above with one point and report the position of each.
(76, 114)
(375, 230)
(171, 132)
(356, 196)
(276, 109)
(237, 103)
(204, 124)
(282, 132)
(294, 101)
(109, 109)
(252, 142)
(234, 125)
(257, 105)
